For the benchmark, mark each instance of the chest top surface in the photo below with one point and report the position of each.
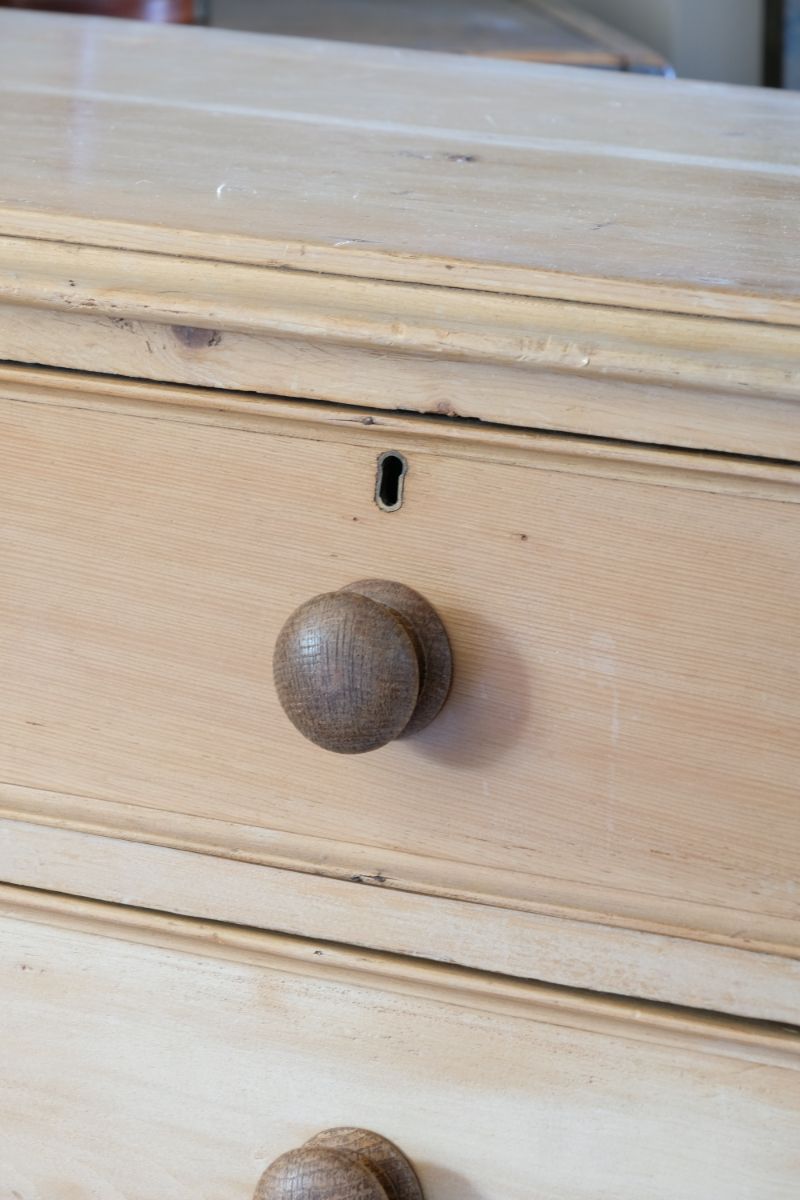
(401, 165)
(414, 202)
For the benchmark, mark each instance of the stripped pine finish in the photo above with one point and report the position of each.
(231, 1047)
(366, 906)
(278, 315)
(620, 738)
(389, 164)
(670, 380)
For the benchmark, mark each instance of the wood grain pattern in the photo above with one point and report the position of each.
(431, 643)
(346, 673)
(544, 363)
(357, 668)
(341, 1164)
(462, 922)
(220, 1063)
(396, 1174)
(621, 738)
(721, 474)
(308, 1174)
(728, 386)
(769, 1043)
(410, 156)
(609, 799)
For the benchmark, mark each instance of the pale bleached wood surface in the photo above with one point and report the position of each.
(354, 906)
(622, 735)
(578, 368)
(149, 1067)
(767, 1042)
(392, 164)
(658, 466)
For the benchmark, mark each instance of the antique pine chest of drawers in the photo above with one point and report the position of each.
(399, 672)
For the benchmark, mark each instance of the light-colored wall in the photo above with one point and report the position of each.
(703, 39)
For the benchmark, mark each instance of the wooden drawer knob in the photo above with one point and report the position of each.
(341, 1164)
(357, 668)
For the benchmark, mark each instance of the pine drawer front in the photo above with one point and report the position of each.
(621, 737)
(150, 1056)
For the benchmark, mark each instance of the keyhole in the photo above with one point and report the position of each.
(392, 468)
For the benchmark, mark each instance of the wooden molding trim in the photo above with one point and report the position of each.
(390, 871)
(365, 264)
(757, 1042)
(469, 933)
(578, 368)
(652, 466)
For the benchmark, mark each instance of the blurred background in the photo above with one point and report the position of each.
(754, 42)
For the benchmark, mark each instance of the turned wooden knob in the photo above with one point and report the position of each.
(357, 668)
(341, 1164)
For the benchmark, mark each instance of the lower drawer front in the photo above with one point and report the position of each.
(154, 1067)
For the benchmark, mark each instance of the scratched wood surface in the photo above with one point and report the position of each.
(178, 1060)
(52, 853)
(621, 736)
(395, 164)
(667, 379)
